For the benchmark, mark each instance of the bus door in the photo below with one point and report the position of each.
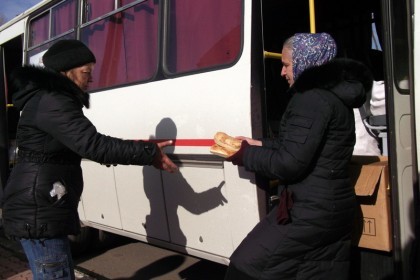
(350, 24)
(375, 33)
(397, 18)
(10, 57)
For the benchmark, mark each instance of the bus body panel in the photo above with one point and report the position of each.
(134, 112)
(416, 62)
(400, 100)
(197, 208)
(16, 29)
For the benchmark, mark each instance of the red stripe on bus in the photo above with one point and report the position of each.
(187, 142)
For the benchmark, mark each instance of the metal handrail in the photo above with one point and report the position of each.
(272, 55)
(312, 28)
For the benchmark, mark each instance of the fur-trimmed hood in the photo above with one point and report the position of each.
(29, 80)
(348, 79)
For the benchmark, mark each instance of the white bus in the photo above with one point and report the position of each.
(185, 69)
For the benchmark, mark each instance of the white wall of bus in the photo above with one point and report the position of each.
(198, 105)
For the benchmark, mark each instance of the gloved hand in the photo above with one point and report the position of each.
(161, 160)
(285, 204)
(237, 158)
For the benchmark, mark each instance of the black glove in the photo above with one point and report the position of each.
(237, 158)
(285, 204)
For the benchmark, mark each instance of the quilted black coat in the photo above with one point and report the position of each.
(53, 135)
(310, 158)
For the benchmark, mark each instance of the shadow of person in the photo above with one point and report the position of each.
(204, 270)
(157, 268)
(165, 198)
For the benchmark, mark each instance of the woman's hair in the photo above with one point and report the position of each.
(288, 43)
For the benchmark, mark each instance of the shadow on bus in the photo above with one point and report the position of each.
(177, 192)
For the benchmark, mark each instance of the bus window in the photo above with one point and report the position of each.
(39, 30)
(126, 2)
(202, 34)
(401, 49)
(125, 45)
(98, 8)
(57, 22)
(94, 9)
(63, 18)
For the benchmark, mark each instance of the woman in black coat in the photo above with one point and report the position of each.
(43, 191)
(307, 235)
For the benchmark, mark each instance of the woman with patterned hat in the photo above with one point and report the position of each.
(307, 234)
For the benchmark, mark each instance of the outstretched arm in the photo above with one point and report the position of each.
(161, 160)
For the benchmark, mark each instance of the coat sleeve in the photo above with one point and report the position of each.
(62, 117)
(303, 129)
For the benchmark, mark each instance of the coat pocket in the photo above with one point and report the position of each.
(298, 129)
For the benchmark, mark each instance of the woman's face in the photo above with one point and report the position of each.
(287, 69)
(81, 76)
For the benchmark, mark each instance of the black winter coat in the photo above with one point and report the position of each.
(310, 158)
(53, 135)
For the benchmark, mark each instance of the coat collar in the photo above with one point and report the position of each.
(348, 79)
(28, 80)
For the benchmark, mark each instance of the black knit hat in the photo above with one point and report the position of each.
(67, 54)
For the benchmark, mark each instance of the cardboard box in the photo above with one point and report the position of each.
(373, 229)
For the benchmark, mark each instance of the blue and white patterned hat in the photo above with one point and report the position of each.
(311, 49)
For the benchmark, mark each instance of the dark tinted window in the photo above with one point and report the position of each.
(55, 22)
(97, 8)
(203, 34)
(125, 45)
(63, 18)
(400, 45)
